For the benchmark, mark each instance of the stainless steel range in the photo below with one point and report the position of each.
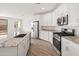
(57, 38)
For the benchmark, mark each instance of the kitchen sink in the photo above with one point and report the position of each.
(20, 36)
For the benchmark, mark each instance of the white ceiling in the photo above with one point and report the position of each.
(22, 9)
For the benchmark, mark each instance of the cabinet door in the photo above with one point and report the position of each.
(41, 35)
(50, 36)
(25, 46)
(65, 48)
(21, 49)
(26, 43)
(44, 35)
(46, 19)
(69, 48)
(73, 48)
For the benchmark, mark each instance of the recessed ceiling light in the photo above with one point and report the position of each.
(37, 3)
(42, 8)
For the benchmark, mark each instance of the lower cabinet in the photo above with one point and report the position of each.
(21, 49)
(46, 35)
(24, 46)
(69, 48)
(50, 37)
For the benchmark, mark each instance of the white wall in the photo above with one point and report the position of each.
(27, 22)
(45, 20)
(73, 10)
(59, 12)
(10, 28)
(13, 15)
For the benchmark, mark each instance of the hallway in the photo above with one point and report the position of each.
(41, 48)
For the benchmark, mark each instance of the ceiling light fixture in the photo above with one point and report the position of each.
(37, 3)
(42, 8)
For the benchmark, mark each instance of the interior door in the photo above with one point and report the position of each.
(35, 29)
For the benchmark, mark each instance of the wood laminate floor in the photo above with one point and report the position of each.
(41, 48)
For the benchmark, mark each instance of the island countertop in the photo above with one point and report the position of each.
(11, 42)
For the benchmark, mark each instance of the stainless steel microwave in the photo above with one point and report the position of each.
(62, 20)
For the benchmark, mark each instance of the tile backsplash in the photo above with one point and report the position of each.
(48, 27)
(59, 28)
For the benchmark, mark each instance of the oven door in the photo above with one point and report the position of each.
(57, 44)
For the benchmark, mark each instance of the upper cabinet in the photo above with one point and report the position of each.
(46, 19)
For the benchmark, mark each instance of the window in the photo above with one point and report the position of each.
(3, 26)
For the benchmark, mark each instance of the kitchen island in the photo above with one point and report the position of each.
(16, 46)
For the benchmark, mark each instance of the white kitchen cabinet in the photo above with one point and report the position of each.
(50, 37)
(69, 48)
(13, 51)
(48, 19)
(24, 46)
(45, 19)
(21, 49)
(41, 34)
(44, 35)
(27, 43)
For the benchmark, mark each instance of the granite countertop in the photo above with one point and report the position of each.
(13, 42)
(48, 30)
(74, 39)
(3, 38)
(10, 42)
